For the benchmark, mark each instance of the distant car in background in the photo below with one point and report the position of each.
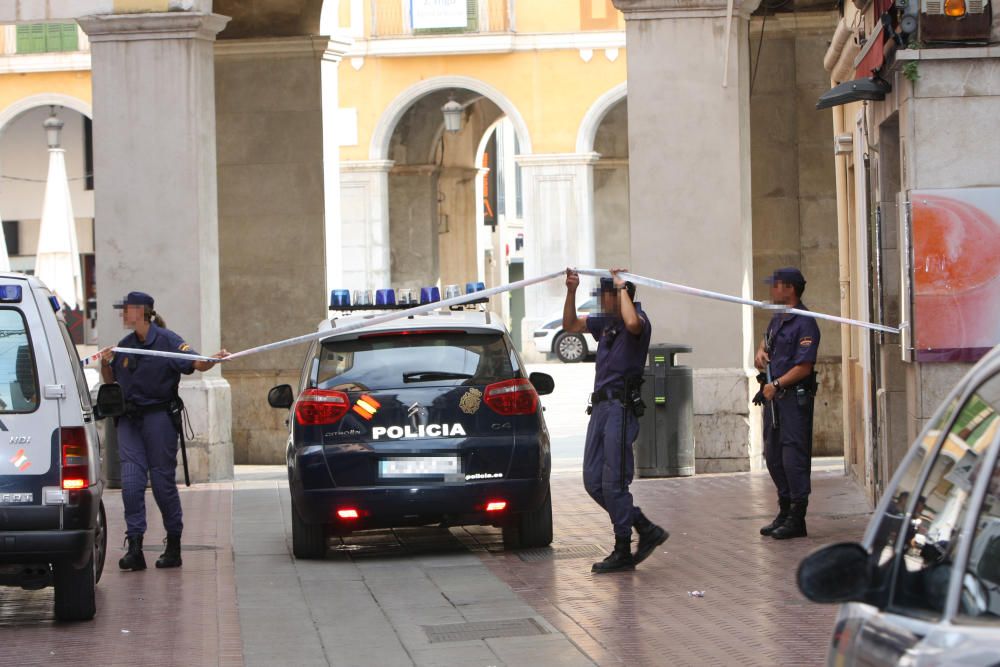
(568, 347)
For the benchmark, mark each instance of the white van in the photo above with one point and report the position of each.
(52, 521)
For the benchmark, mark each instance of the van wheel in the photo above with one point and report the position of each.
(308, 540)
(531, 530)
(75, 600)
(100, 542)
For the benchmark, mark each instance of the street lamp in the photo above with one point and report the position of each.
(452, 111)
(53, 128)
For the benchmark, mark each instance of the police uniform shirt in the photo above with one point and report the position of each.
(620, 354)
(147, 380)
(794, 340)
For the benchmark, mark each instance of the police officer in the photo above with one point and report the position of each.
(787, 355)
(147, 433)
(623, 331)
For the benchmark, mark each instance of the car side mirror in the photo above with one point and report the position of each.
(837, 573)
(543, 383)
(110, 401)
(281, 397)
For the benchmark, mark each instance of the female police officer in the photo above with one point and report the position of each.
(147, 436)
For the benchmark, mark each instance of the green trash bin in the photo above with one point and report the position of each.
(665, 447)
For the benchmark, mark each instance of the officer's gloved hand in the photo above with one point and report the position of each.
(758, 399)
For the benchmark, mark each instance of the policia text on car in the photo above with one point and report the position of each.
(623, 332)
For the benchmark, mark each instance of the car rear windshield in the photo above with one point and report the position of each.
(414, 360)
(18, 379)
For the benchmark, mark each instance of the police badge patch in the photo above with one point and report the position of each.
(471, 401)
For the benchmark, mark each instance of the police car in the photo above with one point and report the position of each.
(428, 419)
(923, 586)
(52, 520)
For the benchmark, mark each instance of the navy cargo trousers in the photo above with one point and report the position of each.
(602, 463)
(147, 446)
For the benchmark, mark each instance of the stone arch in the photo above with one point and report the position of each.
(595, 115)
(42, 100)
(382, 136)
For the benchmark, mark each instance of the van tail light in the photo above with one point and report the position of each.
(496, 506)
(512, 397)
(317, 407)
(75, 472)
(347, 513)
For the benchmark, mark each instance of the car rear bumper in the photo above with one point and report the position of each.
(46, 546)
(385, 507)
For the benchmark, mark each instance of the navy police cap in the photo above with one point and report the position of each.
(136, 299)
(789, 275)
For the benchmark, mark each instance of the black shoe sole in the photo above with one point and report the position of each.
(788, 536)
(623, 568)
(167, 566)
(131, 569)
(642, 554)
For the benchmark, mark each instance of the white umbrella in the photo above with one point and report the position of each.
(57, 262)
(4, 257)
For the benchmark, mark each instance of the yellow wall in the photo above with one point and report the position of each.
(559, 15)
(552, 90)
(14, 87)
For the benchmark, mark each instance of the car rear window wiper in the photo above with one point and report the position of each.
(428, 376)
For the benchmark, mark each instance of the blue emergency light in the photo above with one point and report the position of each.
(385, 297)
(340, 298)
(10, 294)
(429, 295)
(470, 288)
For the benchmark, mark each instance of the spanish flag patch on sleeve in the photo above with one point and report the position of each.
(184, 347)
(805, 342)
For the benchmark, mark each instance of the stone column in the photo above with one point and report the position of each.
(272, 219)
(558, 230)
(364, 205)
(155, 195)
(413, 208)
(689, 178)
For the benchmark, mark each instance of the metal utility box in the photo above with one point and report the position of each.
(665, 447)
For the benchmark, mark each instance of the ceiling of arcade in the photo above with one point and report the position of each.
(269, 18)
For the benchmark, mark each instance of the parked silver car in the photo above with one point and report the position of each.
(568, 347)
(923, 587)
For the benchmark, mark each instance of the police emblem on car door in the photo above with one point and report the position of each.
(471, 401)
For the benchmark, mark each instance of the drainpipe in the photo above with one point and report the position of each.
(844, 275)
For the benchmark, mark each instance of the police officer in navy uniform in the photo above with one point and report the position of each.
(788, 351)
(623, 331)
(148, 432)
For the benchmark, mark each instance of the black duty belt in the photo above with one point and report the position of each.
(607, 395)
(133, 410)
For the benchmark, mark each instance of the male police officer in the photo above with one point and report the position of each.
(623, 333)
(787, 354)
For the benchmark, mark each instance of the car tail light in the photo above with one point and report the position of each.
(317, 407)
(348, 513)
(75, 472)
(512, 397)
(496, 506)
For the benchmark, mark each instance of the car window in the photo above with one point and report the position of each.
(397, 361)
(980, 599)
(928, 550)
(18, 373)
(82, 388)
(883, 545)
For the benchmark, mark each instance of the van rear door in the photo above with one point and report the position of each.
(29, 421)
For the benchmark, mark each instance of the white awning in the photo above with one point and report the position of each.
(57, 263)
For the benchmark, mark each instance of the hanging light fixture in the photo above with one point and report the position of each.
(53, 128)
(452, 111)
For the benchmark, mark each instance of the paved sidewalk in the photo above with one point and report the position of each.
(431, 596)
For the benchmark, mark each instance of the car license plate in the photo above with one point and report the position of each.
(419, 466)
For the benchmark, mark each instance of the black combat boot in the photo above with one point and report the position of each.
(133, 558)
(795, 524)
(783, 505)
(620, 559)
(650, 537)
(171, 557)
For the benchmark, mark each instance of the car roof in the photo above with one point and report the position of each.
(463, 320)
(13, 275)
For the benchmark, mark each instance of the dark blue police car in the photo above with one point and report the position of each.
(425, 420)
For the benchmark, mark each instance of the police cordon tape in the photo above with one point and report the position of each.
(373, 320)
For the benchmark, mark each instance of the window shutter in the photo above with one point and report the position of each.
(473, 9)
